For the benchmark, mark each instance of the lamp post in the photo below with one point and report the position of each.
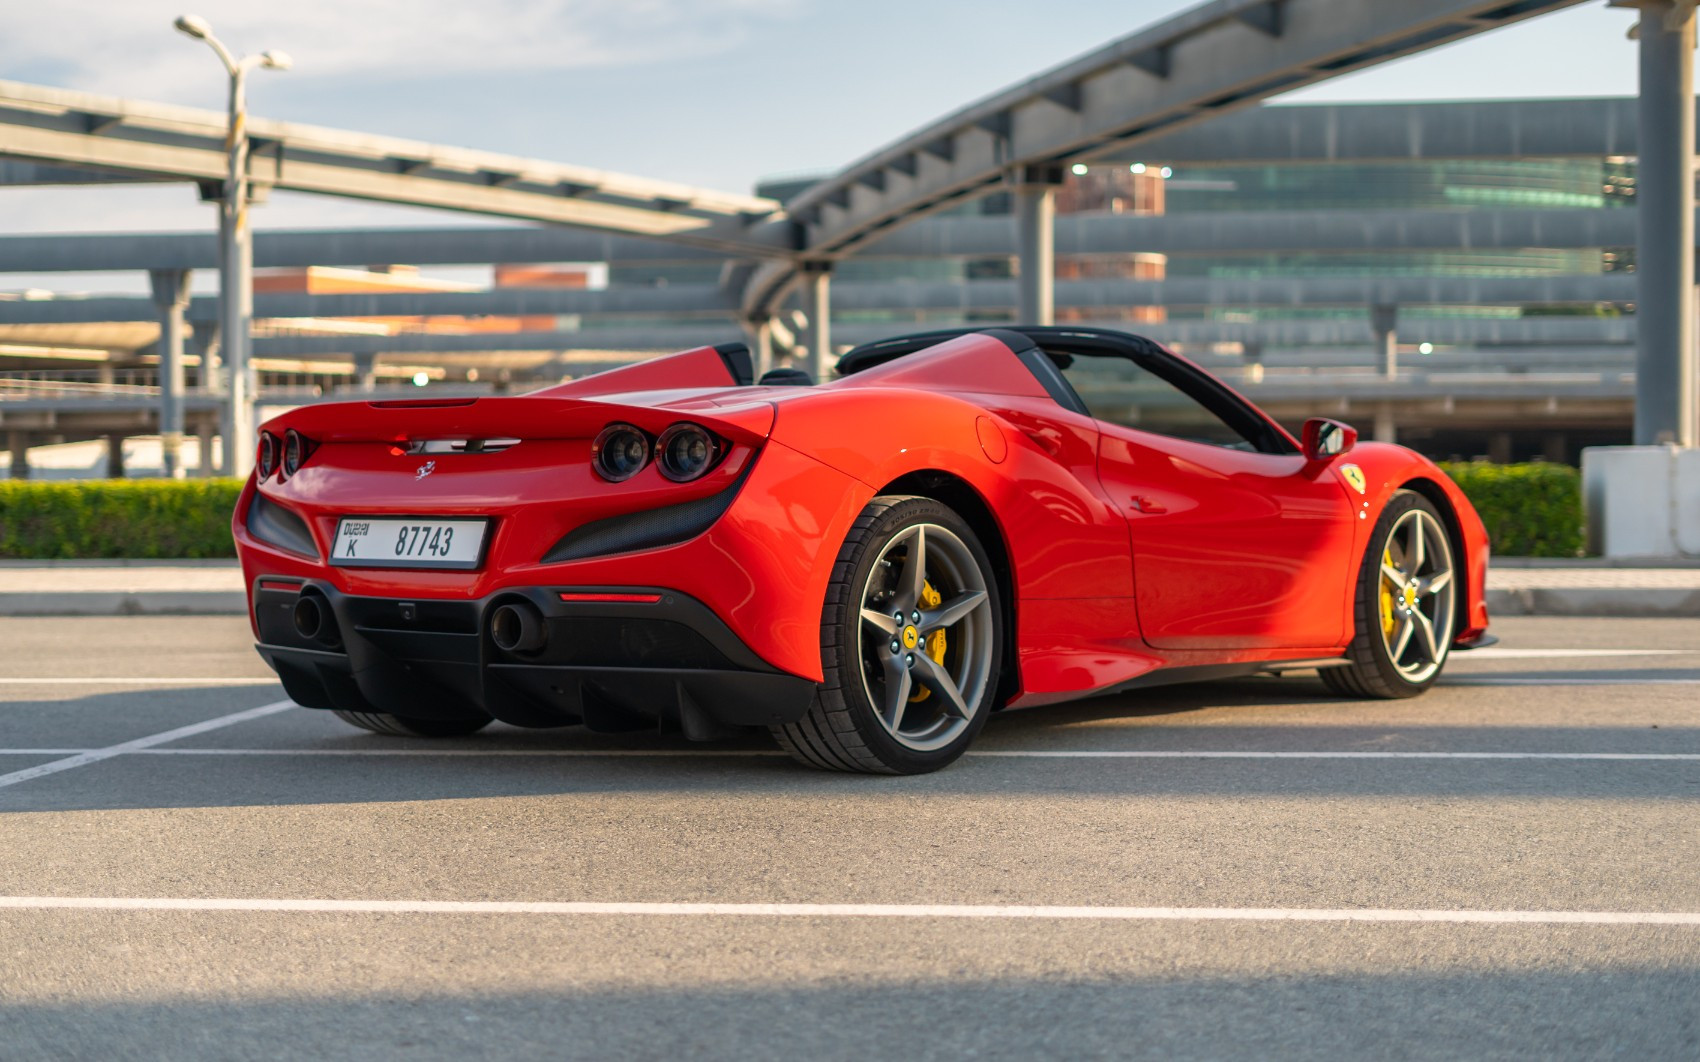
(236, 258)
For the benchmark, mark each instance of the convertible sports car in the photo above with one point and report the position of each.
(960, 522)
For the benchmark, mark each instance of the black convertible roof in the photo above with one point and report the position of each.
(1018, 338)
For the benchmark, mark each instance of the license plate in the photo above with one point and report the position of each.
(409, 542)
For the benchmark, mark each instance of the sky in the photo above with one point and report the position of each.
(716, 93)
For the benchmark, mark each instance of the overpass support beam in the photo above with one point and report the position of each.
(171, 298)
(115, 456)
(1644, 500)
(1386, 428)
(1035, 242)
(817, 287)
(236, 319)
(1667, 384)
(19, 444)
(366, 372)
(761, 344)
(209, 378)
(208, 430)
(1385, 321)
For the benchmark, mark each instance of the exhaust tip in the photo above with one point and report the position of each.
(517, 628)
(309, 618)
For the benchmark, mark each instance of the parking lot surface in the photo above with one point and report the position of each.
(1508, 866)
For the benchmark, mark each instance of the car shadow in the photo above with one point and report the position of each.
(306, 757)
(1642, 1010)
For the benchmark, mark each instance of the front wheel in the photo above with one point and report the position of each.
(911, 645)
(1406, 606)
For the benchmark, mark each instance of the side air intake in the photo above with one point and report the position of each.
(272, 523)
(647, 529)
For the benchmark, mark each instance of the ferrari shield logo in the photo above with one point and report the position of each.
(1354, 476)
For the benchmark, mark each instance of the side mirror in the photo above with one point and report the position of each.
(1324, 438)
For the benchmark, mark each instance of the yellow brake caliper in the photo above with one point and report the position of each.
(934, 648)
(1387, 595)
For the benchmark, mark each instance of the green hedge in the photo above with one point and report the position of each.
(163, 518)
(1532, 510)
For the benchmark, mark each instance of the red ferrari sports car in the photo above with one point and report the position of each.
(959, 522)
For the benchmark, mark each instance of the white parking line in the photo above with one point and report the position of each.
(1605, 678)
(1141, 754)
(853, 910)
(83, 759)
(1502, 652)
(1038, 754)
(112, 681)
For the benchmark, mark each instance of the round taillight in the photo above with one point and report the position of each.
(294, 451)
(620, 452)
(685, 452)
(268, 454)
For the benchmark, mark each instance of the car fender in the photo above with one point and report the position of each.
(1387, 468)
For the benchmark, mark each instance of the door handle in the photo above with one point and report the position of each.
(1146, 505)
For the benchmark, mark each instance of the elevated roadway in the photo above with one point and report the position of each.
(962, 296)
(58, 127)
(1590, 127)
(1390, 230)
(1205, 62)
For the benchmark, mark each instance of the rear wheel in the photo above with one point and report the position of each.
(412, 726)
(1405, 610)
(911, 645)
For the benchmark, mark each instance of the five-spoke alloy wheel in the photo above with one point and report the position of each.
(1406, 605)
(911, 644)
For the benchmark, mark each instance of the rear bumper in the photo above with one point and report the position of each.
(660, 658)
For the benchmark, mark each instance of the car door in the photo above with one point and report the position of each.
(1238, 542)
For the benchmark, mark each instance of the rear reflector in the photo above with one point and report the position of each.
(278, 584)
(622, 599)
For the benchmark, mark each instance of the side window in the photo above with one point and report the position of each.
(1120, 391)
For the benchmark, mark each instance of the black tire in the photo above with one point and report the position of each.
(1372, 673)
(411, 726)
(843, 730)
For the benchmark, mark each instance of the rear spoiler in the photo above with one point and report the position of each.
(727, 365)
(517, 417)
(572, 410)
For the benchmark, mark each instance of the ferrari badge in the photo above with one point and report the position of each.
(1354, 476)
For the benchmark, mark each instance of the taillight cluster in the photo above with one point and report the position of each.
(289, 454)
(683, 452)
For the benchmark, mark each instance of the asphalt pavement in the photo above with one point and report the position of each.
(1506, 867)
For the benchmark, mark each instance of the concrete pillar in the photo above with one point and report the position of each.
(208, 429)
(1666, 378)
(19, 444)
(211, 377)
(1386, 428)
(115, 456)
(170, 298)
(1035, 242)
(761, 344)
(366, 372)
(236, 313)
(817, 287)
(106, 373)
(1385, 321)
(1555, 447)
(1499, 448)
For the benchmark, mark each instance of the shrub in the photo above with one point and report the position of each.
(1532, 510)
(162, 518)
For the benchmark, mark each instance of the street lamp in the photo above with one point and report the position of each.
(236, 262)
